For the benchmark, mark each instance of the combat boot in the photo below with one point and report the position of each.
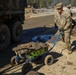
(70, 52)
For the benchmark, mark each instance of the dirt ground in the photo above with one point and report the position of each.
(33, 27)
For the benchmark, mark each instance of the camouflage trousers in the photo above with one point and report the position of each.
(66, 38)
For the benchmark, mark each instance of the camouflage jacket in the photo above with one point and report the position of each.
(64, 20)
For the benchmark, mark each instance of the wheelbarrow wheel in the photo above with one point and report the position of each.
(26, 68)
(13, 61)
(48, 60)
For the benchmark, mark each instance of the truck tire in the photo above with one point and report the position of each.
(16, 31)
(4, 37)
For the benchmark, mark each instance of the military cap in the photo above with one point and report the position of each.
(59, 6)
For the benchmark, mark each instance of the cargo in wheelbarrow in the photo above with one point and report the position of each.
(26, 52)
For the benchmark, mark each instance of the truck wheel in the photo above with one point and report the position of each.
(26, 68)
(48, 60)
(4, 37)
(16, 31)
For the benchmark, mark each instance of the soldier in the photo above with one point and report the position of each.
(64, 22)
(68, 9)
(73, 21)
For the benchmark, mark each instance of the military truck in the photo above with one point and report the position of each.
(11, 20)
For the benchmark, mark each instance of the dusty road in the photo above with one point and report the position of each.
(31, 28)
(41, 21)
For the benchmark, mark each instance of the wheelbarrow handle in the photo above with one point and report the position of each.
(57, 38)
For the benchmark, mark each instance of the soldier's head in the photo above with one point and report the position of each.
(69, 6)
(59, 7)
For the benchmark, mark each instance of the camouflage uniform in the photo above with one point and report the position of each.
(63, 21)
(68, 9)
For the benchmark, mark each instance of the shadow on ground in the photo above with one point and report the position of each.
(6, 55)
(29, 34)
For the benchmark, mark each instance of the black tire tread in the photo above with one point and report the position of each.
(7, 32)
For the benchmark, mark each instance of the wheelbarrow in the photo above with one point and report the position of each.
(27, 51)
(31, 55)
